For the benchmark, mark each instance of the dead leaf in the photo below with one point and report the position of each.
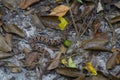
(3, 45)
(4, 55)
(70, 72)
(60, 10)
(115, 19)
(56, 61)
(26, 3)
(13, 68)
(49, 21)
(96, 25)
(117, 4)
(8, 38)
(100, 7)
(31, 59)
(12, 28)
(113, 60)
(9, 4)
(98, 43)
(26, 50)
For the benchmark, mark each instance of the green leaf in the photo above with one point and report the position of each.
(71, 63)
(63, 23)
(67, 43)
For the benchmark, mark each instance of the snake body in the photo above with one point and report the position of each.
(44, 40)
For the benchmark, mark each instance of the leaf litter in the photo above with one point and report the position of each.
(87, 24)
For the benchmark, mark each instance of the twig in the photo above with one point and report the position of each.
(74, 24)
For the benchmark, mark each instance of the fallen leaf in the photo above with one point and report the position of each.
(64, 62)
(26, 3)
(4, 55)
(100, 7)
(63, 23)
(14, 29)
(3, 45)
(31, 59)
(49, 21)
(71, 63)
(55, 62)
(117, 4)
(96, 25)
(9, 4)
(90, 68)
(8, 38)
(63, 49)
(115, 19)
(70, 72)
(13, 68)
(60, 10)
(113, 60)
(67, 43)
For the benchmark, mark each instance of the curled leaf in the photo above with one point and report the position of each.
(90, 68)
(60, 10)
(63, 23)
(71, 63)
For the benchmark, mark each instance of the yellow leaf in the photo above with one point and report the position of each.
(71, 63)
(63, 23)
(60, 10)
(64, 61)
(90, 68)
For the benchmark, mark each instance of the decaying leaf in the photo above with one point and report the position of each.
(31, 59)
(63, 49)
(63, 23)
(8, 38)
(4, 55)
(26, 3)
(3, 45)
(50, 21)
(26, 50)
(117, 4)
(71, 63)
(115, 19)
(90, 68)
(14, 29)
(70, 72)
(55, 62)
(60, 10)
(98, 43)
(96, 25)
(13, 68)
(9, 4)
(113, 60)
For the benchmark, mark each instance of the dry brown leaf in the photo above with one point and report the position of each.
(115, 19)
(8, 38)
(3, 45)
(60, 10)
(12, 28)
(70, 72)
(26, 3)
(31, 59)
(114, 59)
(55, 62)
(4, 55)
(117, 4)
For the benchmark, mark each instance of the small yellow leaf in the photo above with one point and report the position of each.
(60, 11)
(64, 61)
(63, 23)
(71, 63)
(90, 68)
